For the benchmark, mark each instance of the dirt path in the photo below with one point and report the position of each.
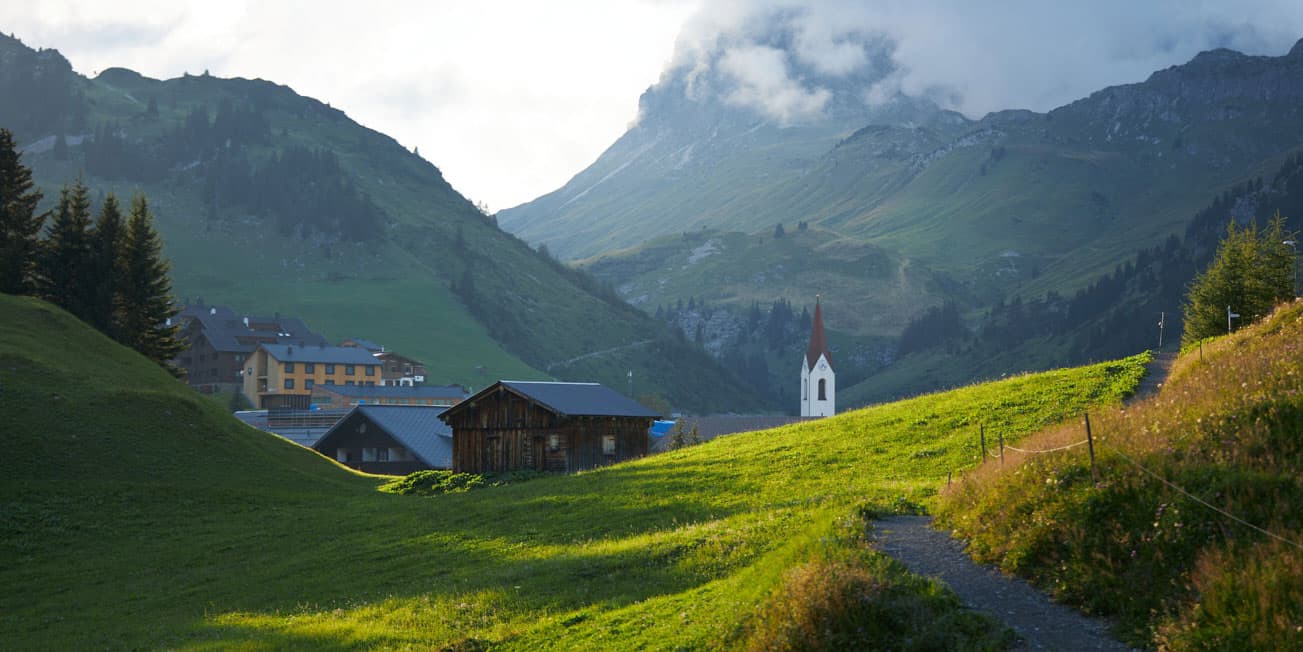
(1155, 375)
(1042, 624)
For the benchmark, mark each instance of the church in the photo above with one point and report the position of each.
(818, 380)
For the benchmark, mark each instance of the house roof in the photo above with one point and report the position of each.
(818, 343)
(569, 399)
(226, 331)
(326, 354)
(710, 427)
(366, 344)
(392, 391)
(417, 428)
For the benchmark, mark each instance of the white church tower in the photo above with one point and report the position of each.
(818, 381)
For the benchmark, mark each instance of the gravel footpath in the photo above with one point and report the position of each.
(1041, 624)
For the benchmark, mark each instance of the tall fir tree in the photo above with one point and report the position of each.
(20, 224)
(66, 269)
(1250, 273)
(108, 246)
(147, 302)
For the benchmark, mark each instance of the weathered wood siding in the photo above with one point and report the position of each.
(506, 432)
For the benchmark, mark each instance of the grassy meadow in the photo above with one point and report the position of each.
(137, 514)
(1224, 430)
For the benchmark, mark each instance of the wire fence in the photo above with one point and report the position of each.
(1090, 442)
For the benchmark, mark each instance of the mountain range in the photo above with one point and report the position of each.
(899, 208)
(273, 202)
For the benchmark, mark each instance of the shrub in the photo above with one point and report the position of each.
(433, 483)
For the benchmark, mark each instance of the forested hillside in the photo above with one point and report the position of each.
(273, 202)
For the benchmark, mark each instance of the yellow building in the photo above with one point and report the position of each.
(284, 375)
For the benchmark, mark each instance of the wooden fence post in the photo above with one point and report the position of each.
(1090, 444)
(981, 430)
(1002, 448)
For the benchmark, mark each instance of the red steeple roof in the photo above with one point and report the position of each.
(818, 343)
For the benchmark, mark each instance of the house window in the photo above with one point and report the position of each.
(554, 442)
(823, 389)
(289, 383)
(370, 370)
(382, 454)
(343, 455)
(309, 367)
(330, 368)
(289, 367)
(608, 444)
(368, 454)
(307, 383)
(348, 370)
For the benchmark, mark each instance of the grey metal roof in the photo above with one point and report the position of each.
(391, 391)
(580, 399)
(325, 354)
(223, 327)
(415, 427)
(367, 344)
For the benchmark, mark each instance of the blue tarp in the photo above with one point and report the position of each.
(660, 428)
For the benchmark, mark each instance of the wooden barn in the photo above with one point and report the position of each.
(559, 427)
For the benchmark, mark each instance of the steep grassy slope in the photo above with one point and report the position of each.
(1146, 543)
(237, 169)
(869, 291)
(138, 515)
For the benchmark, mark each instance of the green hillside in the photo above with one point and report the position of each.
(273, 202)
(140, 515)
(1191, 534)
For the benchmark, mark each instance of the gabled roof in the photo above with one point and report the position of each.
(326, 354)
(392, 391)
(227, 332)
(818, 343)
(567, 399)
(417, 428)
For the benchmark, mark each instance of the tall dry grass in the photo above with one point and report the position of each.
(1146, 542)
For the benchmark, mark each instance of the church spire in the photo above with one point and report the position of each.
(818, 343)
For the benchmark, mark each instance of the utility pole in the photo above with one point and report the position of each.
(1162, 321)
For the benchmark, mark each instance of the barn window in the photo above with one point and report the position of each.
(553, 442)
(823, 389)
(608, 444)
(382, 454)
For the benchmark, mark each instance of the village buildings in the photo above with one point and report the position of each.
(336, 396)
(389, 440)
(546, 426)
(283, 376)
(219, 341)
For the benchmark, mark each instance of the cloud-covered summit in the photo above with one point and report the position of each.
(792, 62)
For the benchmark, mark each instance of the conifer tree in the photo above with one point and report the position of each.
(147, 302)
(20, 224)
(108, 244)
(1249, 275)
(66, 268)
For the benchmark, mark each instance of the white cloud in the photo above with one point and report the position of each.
(760, 79)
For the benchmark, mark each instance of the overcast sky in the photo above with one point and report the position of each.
(512, 98)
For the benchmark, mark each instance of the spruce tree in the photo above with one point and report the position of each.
(66, 268)
(20, 224)
(1249, 275)
(147, 302)
(108, 240)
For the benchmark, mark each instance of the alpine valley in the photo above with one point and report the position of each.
(946, 249)
(273, 202)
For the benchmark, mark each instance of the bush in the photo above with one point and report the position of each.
(433, 483)
(855, 599)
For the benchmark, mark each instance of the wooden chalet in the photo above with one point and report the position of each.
(558, 427)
